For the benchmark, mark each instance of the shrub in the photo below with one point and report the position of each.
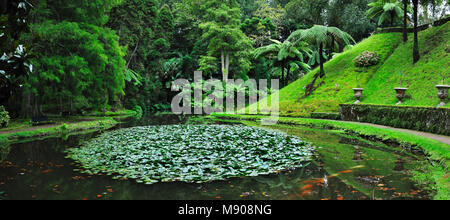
(366, 59)
(4, 117)
(94, 55)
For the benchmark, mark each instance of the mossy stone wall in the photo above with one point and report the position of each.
(433, 120)
(326, 115)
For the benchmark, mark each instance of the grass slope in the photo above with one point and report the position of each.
(421, 77)
(378, 81)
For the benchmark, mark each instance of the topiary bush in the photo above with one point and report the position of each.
(366, 59)
(4, 117)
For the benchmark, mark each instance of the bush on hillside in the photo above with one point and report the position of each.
(366, 59)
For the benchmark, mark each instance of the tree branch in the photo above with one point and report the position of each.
(132, 54)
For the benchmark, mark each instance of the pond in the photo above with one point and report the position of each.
(345, 167)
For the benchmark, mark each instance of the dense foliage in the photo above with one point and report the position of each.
(91, 76)
(73, 57)
(14, 56)
(190, 153)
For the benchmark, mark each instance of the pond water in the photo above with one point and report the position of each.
(345, 167)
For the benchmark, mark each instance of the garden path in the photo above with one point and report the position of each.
(436, 137)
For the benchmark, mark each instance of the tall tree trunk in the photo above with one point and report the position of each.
(132, 54)
(282, 73)
(35, 107)
(405, 20)
(392, 18)
(227, 66)
(26, 106)
(416, 55)
(321, 61)
(61, 108)
(333, 40)
(222, 57)
(286, 79)
(71, 106)
(310, 87)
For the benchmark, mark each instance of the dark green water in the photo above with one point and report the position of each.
(345, 168)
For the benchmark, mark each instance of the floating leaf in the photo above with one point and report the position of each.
(190, 153)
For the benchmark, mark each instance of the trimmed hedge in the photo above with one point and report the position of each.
(326, 115)
(4, 117)
(428, 119)
(400, 29)
(411, 29)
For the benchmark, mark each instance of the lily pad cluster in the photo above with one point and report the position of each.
(190, 153)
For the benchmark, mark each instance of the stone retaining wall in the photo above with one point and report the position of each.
(427, 119)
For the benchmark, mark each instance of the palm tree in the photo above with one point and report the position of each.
(322, 37)
(383, 9)
(285, 54)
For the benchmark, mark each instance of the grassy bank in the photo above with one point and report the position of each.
(57, 129)
(435, 173)
(21, 129)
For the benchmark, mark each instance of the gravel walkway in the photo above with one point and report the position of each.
(436, 137)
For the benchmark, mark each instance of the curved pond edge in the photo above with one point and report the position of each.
(58, 130)
(66, 126)
(435, 172)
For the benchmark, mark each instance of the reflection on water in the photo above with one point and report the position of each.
(378, 171)
(346, 168)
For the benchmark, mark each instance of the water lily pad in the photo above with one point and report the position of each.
(190, 153)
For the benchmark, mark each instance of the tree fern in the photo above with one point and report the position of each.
(384, 10)
(322, 37)
(284, 53)
(131, 75)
